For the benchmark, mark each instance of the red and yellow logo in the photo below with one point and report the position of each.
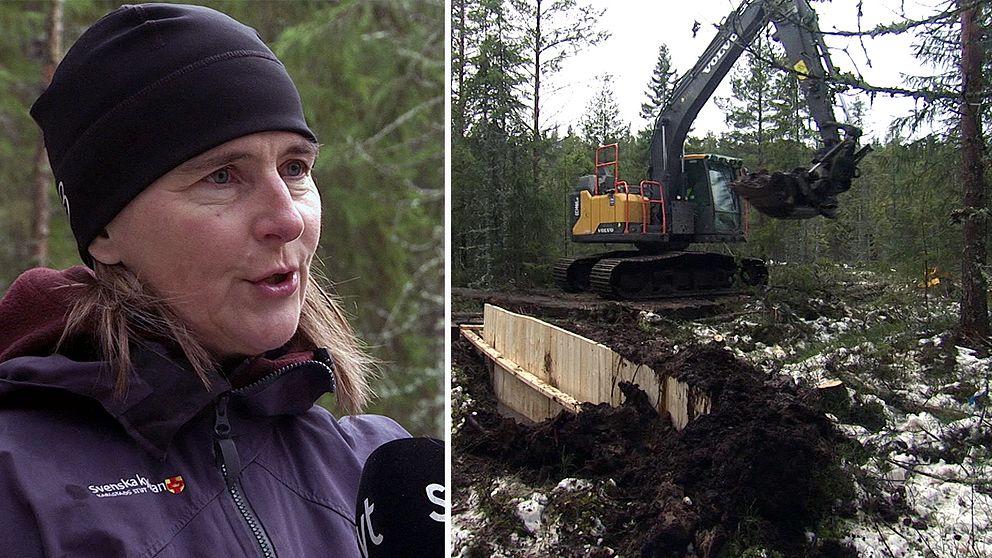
(175, 484)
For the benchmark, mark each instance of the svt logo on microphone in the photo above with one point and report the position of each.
(365, 532)
(366, 529)
(401, 508)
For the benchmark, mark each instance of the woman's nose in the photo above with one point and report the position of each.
(278, 215)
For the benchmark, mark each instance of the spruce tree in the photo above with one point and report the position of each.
(601, 124)
(661, 85)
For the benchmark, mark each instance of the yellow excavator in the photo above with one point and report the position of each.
(701, 197)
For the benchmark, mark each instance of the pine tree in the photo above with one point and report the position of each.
(661, 85)
(974, 295)
(789, 117)
(953, 43)
(749, 110)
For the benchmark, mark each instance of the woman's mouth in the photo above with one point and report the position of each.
(278, 284)
(276, 278)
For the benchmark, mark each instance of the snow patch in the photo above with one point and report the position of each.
(530, 509)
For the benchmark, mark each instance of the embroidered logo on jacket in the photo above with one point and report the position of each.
(137, 484)
(175, 484)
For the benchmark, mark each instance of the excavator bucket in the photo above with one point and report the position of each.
(783, 195)
(802, 193)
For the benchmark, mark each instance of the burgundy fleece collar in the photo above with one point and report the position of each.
(34, 310)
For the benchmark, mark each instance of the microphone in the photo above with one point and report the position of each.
(401, 508)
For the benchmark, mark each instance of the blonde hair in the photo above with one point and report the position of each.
(115, 306)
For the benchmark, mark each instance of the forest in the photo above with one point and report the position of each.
(511, 168)
(371, 74)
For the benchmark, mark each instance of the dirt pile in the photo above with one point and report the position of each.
(758, 471)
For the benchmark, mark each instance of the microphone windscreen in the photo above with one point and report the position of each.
(401, 508)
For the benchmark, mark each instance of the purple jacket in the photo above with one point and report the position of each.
(174, 469)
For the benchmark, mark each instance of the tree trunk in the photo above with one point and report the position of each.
(459, 110)
(536, 140)
(974, 302)
(42, 173)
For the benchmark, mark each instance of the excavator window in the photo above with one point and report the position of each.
(695, 178)
(726, 213)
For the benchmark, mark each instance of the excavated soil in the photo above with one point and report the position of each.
(759, 471)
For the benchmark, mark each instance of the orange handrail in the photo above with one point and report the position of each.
(623, 187)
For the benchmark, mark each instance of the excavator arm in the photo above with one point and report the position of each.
(799, 194)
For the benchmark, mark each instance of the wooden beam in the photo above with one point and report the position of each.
(548, 391)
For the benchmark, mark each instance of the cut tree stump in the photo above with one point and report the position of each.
(833, 397)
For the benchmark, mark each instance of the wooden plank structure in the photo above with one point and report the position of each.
(538, 370)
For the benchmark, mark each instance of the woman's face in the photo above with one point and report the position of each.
(227, 239)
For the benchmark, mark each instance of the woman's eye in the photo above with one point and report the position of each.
(220, 176)
(296, 169)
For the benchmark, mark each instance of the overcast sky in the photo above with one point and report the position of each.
(639, 27)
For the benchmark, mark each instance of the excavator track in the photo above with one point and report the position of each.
(673, 274)
(572, 274)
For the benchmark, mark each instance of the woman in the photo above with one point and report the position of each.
(161, 401)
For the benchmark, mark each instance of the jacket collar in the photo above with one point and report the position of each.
(285, 385)
(163, 395)
(173, 395)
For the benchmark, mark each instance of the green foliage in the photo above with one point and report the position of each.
(749, 111)
(371, 75)
(601, 123)
(20, 83)
(938, 43)
(501, 217)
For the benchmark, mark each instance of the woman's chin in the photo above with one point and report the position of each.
(249, 342)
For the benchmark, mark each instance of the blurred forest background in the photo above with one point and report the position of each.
(371, 74)
(511, 169)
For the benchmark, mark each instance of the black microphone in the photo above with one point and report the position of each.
(401, 508)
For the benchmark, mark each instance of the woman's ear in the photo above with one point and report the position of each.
(104, 250)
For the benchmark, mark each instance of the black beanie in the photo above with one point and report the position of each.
(147, 88)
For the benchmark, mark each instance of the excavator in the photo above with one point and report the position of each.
(700, 197)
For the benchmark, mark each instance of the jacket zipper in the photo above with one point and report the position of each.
(321, 356)
(230, 467)
(230, 461)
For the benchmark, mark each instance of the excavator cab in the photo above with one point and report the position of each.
(707, 185)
